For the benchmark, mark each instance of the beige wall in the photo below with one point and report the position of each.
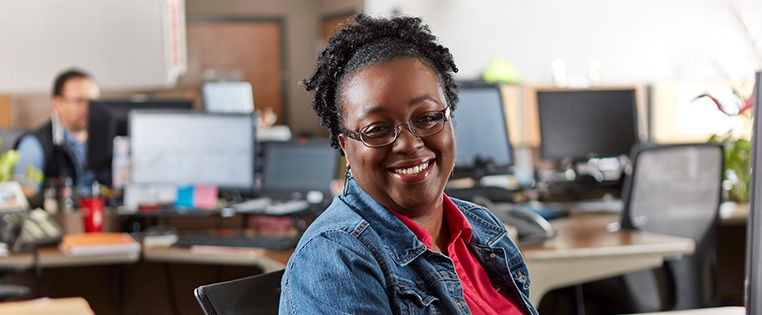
(302, 33)
(333, 7)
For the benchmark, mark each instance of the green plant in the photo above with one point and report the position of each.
(737, 150)
(8, 160)
(737, 166)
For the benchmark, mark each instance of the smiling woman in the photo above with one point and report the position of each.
(393, 242)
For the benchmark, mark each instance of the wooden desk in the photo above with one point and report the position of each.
(732, 213)
(267, 260)
(730, 310)
(584, 250)
(51, 256)
(71, 305)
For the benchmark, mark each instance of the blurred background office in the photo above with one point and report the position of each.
(140, 46)
(664, 53)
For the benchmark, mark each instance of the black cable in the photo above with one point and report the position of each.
(38, 270)
(171, 289)
(580, 299)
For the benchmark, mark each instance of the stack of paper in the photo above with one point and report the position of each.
(98, 244)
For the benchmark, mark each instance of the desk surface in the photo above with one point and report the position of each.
(51, 256)
(584, 250)
(268, 260)
(70, 305)
(730, 310)
(732, 213)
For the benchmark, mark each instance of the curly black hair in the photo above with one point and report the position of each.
(370, 41)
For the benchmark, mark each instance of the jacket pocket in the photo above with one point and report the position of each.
(414, 300)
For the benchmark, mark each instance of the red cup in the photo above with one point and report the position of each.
(92, 213)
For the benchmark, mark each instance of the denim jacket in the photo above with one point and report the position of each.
(358, 258)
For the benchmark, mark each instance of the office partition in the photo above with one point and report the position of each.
(754, 228)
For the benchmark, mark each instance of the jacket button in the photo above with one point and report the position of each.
(492, 255)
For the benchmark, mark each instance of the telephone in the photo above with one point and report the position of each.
(23, 230)
(40, 229)
(532, 228)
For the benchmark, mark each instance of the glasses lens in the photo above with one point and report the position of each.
(428, 123)
(378, 134)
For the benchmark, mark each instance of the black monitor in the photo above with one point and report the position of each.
(482, 141)
(108, 119)
(297, 167)
(587, 123)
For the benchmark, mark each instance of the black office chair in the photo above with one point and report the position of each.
(673, 190)
(10, 292)
(8, 137)
(11, 223)
(258, 294)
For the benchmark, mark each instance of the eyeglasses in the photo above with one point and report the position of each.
(75, 100)
(381, 134)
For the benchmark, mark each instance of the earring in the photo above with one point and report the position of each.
(346, 182)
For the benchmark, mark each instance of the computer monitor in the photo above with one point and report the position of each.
(228, 97)
(482, 141)
(192, 148)
(108, 119)
(295, 168)
(587, 123)
(754, 226)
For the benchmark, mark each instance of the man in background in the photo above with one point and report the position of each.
(59, 148)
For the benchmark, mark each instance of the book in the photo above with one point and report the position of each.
(98, 244)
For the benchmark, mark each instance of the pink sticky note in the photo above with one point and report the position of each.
(205, 197)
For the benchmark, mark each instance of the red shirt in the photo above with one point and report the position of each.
(480, 295)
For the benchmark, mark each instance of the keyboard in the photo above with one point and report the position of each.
(268, 206)
(236, 238)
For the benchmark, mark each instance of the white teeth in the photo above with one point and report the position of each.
(411, 170)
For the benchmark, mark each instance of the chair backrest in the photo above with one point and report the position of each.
(9, 137)
(677, 190)
(259, 294)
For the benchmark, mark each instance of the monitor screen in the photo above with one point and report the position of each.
(228, 97)
(192, 148)
(583, 124)
(298, 166)
(482, 142)
(108, 119)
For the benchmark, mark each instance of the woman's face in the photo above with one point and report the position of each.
(408, 175)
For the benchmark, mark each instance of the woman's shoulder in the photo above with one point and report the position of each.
(338, 221)
(338, 215)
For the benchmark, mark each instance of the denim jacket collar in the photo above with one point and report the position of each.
(405, 246)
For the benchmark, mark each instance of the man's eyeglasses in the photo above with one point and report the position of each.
(381, 134)
(75, 100)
